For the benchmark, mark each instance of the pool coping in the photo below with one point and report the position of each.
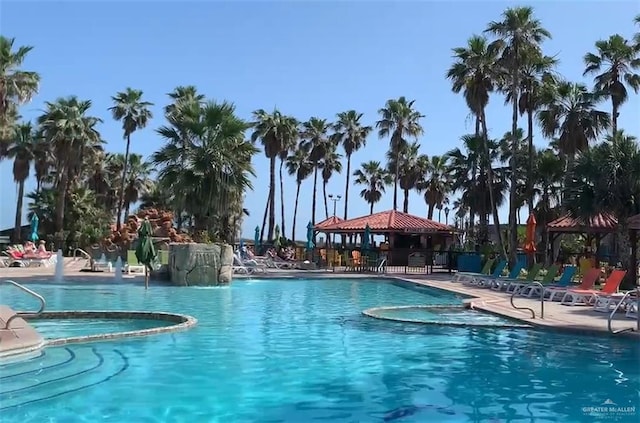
(180, 322)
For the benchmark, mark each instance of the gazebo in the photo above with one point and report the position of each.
(598, 226)
(405, 232)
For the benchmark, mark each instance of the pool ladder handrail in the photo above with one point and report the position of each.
(533, 313)
(615, 310)
(382, 266)
(23, 288)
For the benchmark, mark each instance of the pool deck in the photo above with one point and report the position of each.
(556, 316)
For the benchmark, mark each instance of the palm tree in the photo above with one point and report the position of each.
(314, 138)
(298, 164)
(352, 135)
(607, 179)
(135, 114)
(375, 179)
(475, 73)
(16, 86)
(548, 174)
(636, 37)
(399, 121)
(288, 132)
(517, 34)
(569, 112)
(138, 181)
(614, 64)
(71, 133)
(436, 185)
(329, 164)
(22, 152)
(414, 166)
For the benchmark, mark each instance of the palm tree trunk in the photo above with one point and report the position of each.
(126, 208)
(282, 201)
(324, 193)
(313, 202)
(614, 117)
(513, 193)
(531, 159)
(295, 214)
(405, 205)
(492, 198)
(17, 230)
(346, 188)
(430, 208)
(272, 197)
(122, 185)
(371, 208)
(61, 200)
(264, 218)
(395, 183)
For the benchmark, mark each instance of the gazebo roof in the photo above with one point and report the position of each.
(601, 223)
(331, 220)
(387, 221)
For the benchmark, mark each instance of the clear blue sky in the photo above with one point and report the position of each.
(307, 58)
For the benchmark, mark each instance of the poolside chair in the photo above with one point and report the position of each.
(557, 291)
(511, 285)
(527, 290)
(497, 272)
(587, 296)
(239, 267)
(607, 303)
(131, 267)
(632, 308)
(249, 263)
(486, 270)
(499, 282)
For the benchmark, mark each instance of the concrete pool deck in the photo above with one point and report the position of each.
(556, 316)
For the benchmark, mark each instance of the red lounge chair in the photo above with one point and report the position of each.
(588, 296)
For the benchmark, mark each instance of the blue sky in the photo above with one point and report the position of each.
(307, 58)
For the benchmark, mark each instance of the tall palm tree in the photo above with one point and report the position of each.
(569, 112)
(138, 181)
(22, 152)
(276, 132)
(414, 166)
(476, 73)
(350, 132)
(615, 64)
(436, 185)
(329, 164)
(399, 121)
(517, 34)
(548, 173)
(315, 138)
(134, 113)
(288, 131)
(375, 179)
(298, 164)
(71, 133)
(17, 86)
(636, 37)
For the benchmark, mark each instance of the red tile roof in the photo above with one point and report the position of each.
(603, 222)
(331, 220)
(387, 221)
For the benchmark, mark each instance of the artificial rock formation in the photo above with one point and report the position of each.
(161, 223)
(200, 264)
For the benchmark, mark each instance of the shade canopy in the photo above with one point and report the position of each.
(366, 237)
(34, 228)
(386, 222)
(145, 252)
(530, 241)
(310, 244)
(276, 236)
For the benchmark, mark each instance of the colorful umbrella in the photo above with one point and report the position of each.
(366, 237)
(145, 252)
(310, 245)
(276, 237)
(34, 228)
(530, 241)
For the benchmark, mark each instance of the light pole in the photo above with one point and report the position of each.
(446, 215)
(335, 199)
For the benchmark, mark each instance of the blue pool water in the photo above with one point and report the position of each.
(66, 328)
(300, 351)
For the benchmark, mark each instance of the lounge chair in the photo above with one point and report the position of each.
(527, 290)
(587, 296)
(607, 303)
(462, 276)
(133, 268)
(550, 291)
(499, 282)
(632, 308)
(278, 263)
(250, 263)
(512, 285)
(497, 272)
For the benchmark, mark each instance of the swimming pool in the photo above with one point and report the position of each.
(67, 328)
(300, 351)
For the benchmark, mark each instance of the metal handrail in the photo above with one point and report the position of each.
(615, 309)
(382, 265)
(533, 313)
(87, 255)
(39, 297)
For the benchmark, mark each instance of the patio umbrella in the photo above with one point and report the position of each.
(530, 241)
(256, 238)
(145, 252)
(366, 237)
(310, 243)
(276, 235)
(34, 228)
